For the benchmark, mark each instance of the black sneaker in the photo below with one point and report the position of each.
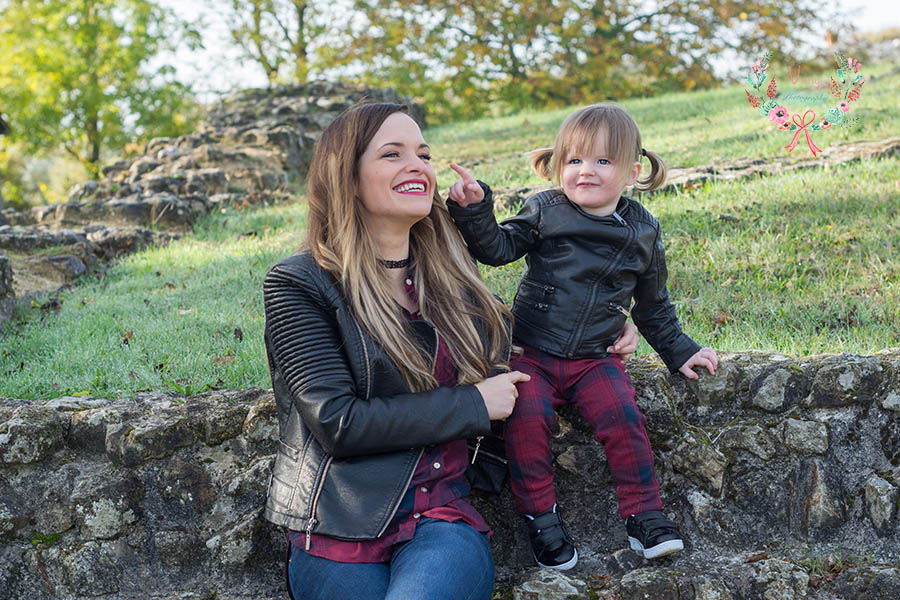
(550, 542)
(653, 533)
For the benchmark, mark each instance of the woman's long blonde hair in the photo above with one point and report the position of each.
(451, 293)
(623, 141)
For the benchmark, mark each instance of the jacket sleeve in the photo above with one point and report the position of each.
(494, 244)
(654, 313)
(305, 344)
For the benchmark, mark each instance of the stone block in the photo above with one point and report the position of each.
(107, 503)
(845, 380)
(706, 588)
(546, 583)
(89, 569)
(721, 388)
(131, 444)
(881, 503)
(261, 423)
(702, 463)
(215, 419)
(817, 500)
(32, 434)
(645, 582)
(752, 438)
(775, 579)
(186, 490)
(810, 437)
(891, 401)
(771, 394)
(233, 547)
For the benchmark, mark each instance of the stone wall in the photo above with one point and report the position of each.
(782, 472)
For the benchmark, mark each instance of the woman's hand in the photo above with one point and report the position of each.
(466, 190)
(705, 357)
(499, 393)
(626, 343)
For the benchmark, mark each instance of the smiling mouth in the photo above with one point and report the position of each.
(411, 186)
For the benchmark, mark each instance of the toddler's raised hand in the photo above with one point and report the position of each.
(466, 190)
(705, 357)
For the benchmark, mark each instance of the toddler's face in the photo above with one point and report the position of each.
(591, 180)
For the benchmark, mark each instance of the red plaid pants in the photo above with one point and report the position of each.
(601, 391)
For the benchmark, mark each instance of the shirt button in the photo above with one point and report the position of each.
(408, 281)
(424, 490)
(437, 465)
(416, 516)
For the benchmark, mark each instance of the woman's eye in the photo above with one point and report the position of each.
(425, 157)
(391, 155)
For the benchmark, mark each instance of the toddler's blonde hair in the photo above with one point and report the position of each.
(623, 142)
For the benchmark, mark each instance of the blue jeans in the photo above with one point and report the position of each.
(444, 561)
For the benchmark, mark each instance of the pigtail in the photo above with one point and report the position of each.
(657, 176)
(540, 162)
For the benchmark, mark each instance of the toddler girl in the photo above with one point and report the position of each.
(591, 256)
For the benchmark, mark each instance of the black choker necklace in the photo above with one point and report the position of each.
(396, 264)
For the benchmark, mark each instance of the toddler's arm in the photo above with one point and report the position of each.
(471, 206)
(654, 314)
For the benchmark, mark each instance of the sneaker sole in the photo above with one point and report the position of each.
(564, 566)
(670, 547)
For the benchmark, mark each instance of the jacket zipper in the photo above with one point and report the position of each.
(477, 448)
(580, 331)
(312, 513)
(437, 341)
(621, 309)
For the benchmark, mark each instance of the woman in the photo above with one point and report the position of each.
(387, 352)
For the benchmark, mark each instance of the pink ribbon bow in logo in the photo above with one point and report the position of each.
(802, 124)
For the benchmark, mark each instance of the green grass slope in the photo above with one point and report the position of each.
(799, 263)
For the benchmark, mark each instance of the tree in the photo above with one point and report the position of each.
(77, 73)
(463, 57)
(277, 35)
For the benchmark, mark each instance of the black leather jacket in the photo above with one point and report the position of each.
(351, 432)
(582, 274)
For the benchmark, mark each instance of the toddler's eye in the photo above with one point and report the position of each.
(574, 161)
(603, 161)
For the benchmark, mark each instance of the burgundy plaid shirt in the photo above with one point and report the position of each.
(438, 490)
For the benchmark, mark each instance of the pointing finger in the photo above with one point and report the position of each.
(462, 173)
(518, 376)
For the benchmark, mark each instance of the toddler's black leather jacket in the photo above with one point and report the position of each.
(582, 273)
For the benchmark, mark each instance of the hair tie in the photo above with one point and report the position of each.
(643, 152)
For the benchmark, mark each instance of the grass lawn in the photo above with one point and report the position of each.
(799, 263)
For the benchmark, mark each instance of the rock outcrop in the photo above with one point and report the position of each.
(253, 148)
(783, 474)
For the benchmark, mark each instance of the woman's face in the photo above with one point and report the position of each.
(396, 179)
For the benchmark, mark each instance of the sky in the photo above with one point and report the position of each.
(218, 67)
